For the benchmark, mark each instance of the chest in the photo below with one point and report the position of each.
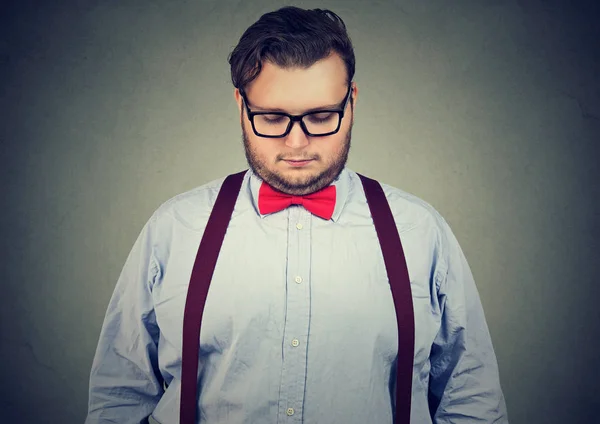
(328, 285)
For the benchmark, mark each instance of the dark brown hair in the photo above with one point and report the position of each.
(290, 37)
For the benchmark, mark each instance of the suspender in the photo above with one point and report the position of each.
(204, 266)
(395, 264)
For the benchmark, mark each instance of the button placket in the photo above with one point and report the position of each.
(293, 376)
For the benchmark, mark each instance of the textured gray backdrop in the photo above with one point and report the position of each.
(489, 110)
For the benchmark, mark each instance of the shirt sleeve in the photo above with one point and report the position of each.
(464, 380)
(125, 382)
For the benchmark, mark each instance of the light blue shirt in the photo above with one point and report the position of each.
(299, 324)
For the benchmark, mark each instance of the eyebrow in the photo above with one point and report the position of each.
(326, 107)
(261, 109)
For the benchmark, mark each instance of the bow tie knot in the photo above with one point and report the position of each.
(320, 203)
(297, 200)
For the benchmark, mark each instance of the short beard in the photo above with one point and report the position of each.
(312, 184)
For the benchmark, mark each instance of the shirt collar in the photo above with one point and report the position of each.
(342, 187)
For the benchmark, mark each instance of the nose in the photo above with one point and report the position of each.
(296, 138)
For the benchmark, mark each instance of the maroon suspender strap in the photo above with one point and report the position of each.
(397, 271)
(202, 273)
(206, 260)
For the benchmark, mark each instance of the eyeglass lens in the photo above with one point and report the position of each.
(316, 123)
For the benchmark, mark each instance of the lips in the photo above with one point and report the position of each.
(301, 162)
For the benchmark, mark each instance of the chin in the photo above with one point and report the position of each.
(297, 176)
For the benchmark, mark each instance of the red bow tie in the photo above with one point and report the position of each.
(320, 203)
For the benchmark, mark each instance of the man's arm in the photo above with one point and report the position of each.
(125, 382)
(464, 382)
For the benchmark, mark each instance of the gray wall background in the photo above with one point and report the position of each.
(489, 110)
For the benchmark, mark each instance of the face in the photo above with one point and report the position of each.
(298, 164)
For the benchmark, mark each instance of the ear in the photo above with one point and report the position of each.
(238, 99)
(354, 95)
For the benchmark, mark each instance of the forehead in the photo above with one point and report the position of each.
(299, 89)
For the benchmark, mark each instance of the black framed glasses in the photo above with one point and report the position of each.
(316, 123)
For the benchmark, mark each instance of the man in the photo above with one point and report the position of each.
(299, 325)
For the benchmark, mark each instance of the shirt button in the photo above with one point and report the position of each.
(290, 411)
(298, 279)
(295, 342)
(299, 226)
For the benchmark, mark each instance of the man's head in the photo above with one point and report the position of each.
(295, 61)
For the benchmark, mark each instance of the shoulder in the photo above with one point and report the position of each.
(420, 224)
(191, 208)
(409, 210)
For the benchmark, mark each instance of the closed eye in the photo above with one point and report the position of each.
(273, 119)
(320, 118)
